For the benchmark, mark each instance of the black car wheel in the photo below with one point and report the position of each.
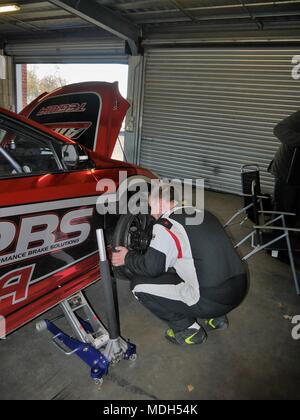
(135, 233)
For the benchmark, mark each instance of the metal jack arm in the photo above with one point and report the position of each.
(98, 347)
(117, 348)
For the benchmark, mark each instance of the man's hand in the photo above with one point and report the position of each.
(118, 257)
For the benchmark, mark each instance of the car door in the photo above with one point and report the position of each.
(48, 247)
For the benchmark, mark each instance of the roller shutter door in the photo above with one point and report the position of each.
(87, 49)
(208, 111)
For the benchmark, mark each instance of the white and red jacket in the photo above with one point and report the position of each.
(202, 256)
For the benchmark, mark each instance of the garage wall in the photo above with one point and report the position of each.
(208, 111)
(7, 87)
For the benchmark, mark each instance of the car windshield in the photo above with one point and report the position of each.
(22, 154)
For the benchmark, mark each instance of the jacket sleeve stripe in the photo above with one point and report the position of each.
(177, 243)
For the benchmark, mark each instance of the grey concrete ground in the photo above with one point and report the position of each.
(255, 359)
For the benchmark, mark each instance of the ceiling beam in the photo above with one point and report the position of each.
(183, 10)
(258, 23)
(104, 18)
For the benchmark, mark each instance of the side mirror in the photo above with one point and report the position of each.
(70, 155)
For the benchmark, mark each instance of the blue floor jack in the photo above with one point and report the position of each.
(98, 347)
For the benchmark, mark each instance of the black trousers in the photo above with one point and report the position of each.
(214, 302)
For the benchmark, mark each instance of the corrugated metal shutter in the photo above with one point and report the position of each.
(82, 50)
(208, 111)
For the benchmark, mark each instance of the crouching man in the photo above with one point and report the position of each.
(189, 272)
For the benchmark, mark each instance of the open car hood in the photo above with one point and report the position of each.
(90, 113)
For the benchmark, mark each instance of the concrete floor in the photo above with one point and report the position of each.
(255, 359)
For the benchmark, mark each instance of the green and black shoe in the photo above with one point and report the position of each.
(217, 324)
(188, 337)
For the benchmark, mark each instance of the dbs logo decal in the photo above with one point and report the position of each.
(15, 285)
(40, 235)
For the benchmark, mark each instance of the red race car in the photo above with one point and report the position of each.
(52, 157)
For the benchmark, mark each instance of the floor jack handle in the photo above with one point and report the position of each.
(113, 325)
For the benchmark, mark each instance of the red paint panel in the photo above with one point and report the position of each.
(24, 292)
(111, 106)
(67, 283)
